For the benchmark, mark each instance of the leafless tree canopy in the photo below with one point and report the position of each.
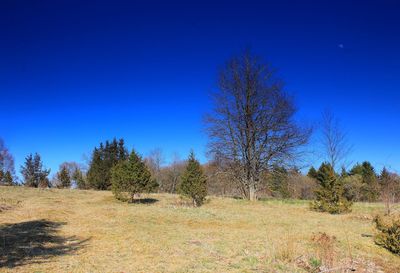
(252, 125)
(390, 190)
(334, 140)
(6, 159)
(171, 175)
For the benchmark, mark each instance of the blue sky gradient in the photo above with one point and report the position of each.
(74, 74)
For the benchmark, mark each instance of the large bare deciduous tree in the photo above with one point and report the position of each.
(252, 125)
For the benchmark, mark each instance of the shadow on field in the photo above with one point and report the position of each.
(34, 242)
(144, 201)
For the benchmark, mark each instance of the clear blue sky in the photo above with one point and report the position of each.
(73, 74)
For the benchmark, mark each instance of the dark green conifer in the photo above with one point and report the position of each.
(35, 175)
(312, 173)
(122, 152)
(193, 182)
(64, 178)
(8, 179)
(103, 160)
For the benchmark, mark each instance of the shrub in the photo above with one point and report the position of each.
(388, 235)
(194, 183)
(370, 187)
(301, 187)
(131, 177)
(330, 195)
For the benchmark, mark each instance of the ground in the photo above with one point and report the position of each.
(89, 231)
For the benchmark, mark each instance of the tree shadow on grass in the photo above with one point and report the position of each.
(144, 201)
(34, 242)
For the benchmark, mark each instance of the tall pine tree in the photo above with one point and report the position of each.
(193, 182)
(104, 158)
(33, 172)
(370, 185)
(312, 173)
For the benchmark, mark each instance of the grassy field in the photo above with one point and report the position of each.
(88, 231)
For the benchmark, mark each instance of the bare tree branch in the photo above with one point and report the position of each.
(334, 141)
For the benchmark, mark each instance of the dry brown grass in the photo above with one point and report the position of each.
(89, 231)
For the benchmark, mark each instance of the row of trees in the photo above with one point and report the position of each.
(336, 191)
(112, 168)
(255, 142)
(360, 183)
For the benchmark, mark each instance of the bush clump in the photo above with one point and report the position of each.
(388, 235)
(131, 177)
(330, 194)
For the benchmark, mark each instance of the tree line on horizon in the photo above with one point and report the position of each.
(254, 144)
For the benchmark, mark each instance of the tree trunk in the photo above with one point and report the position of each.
(252, 192)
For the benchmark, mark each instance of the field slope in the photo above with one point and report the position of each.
(88, 231)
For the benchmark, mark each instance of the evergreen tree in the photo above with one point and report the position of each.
(1, 176)
(103, 160)
(343, 173)
(384, 176)
(312, 173)
(330, 195)
(8, 179)
(370, 185)
(35, 175)
(122, 151)
(79, 179)
(96, 171)
(64, 178)
(131, 177)
(193, 182)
